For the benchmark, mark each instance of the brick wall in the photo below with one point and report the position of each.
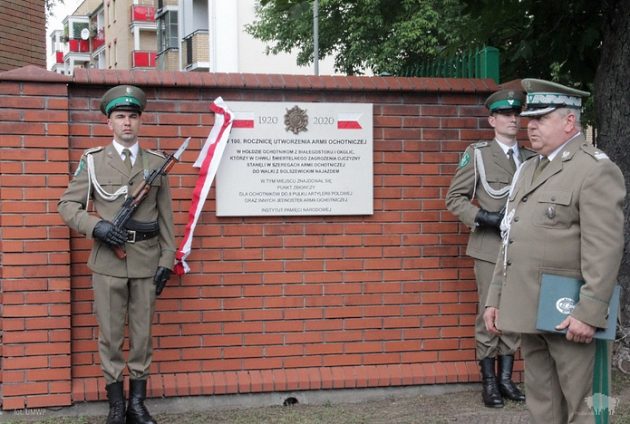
(22, 34)
(272, 303)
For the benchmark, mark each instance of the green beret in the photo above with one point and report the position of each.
(505, 100)
(123, 97)
(544, 97)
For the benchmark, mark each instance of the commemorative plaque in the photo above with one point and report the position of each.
(297, 159)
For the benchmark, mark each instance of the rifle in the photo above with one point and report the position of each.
(132, 202)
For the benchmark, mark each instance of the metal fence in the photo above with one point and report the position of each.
(480, 63)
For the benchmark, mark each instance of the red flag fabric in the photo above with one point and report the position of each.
(208, 163)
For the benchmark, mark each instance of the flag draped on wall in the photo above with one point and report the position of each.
(208, 162)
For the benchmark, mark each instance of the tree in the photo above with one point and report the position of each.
(49, 4)
(379, 35)
(583, 43)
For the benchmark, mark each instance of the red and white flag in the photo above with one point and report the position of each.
(244, 120)
(208, 163)
(348, 121)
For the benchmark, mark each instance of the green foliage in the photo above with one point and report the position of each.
(557, 40)
(540, 39)
(537, 38)
(379, 35)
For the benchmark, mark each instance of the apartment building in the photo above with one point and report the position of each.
(174, 35)
(110, 34)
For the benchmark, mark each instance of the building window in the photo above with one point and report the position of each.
(100, 60)
(167, 30)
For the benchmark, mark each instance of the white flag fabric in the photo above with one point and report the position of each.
(208, 163)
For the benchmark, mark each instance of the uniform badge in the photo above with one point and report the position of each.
(550, 212)
(565, 155)
(465, 160)
(80, 168)
(565, 305)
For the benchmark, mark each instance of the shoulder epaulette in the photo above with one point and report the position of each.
(156, 153)
(93, 150)
(82, 164)
(594, 152)
(480, 144)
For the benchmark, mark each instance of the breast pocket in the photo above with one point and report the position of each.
(553, 210)
(111, 183)
(497, 180)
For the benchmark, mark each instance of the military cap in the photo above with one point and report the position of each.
(505, 100)
(544, 97)
(125, 97)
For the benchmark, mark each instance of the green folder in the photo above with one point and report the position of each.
(558, 297)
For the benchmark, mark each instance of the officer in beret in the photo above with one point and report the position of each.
(564, 216)
(123, 288)
(477, 196)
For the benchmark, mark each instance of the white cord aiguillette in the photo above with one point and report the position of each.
(110, 197)
(494, 193)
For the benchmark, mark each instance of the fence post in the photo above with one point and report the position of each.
(489, 63)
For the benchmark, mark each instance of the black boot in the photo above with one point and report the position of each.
(508, 389)
(490, 394)
(137, 413)
(116, 400)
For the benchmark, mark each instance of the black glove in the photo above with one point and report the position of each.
(488, 219)
(109, 233)
(162, 275)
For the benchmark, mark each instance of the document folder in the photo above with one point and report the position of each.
(558, 297)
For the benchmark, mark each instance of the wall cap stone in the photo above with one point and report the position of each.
(259, 81)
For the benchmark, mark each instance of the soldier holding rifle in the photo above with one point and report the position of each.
(131, 258)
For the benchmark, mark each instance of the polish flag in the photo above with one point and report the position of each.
(348, 121)
(208, 163)
(243, 120)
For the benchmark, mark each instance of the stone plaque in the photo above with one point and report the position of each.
(297, 159)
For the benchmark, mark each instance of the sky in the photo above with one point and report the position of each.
(59, 11)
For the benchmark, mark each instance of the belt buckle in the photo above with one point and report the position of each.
(131, 236)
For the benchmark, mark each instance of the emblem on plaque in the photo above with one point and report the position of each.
(296, 120)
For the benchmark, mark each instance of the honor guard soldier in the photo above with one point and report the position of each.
(477, 196)
(124, 288)
(564, 216)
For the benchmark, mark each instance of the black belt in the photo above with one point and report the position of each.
(134, 236)
(140, 231)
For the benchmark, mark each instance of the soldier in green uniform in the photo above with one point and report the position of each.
(477, 196)
(123, 288)
(564, 217)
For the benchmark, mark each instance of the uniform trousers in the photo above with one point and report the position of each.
(559, 378)
(489, 345)
(116, 299)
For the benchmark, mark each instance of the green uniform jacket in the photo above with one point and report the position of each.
(568, 222)
(483, 243)
(143, 257)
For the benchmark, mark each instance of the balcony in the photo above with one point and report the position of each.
(143, 59)
(78, 46)
(98, 40)
(140, 13)
(196, 51)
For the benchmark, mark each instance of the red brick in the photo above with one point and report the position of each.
(273, 286)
